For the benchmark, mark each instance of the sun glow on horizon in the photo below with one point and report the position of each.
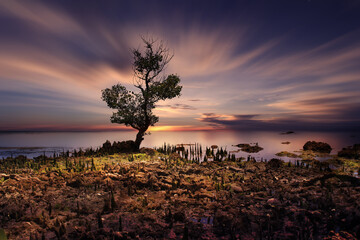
(180, 128)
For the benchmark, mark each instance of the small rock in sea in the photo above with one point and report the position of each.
(286, 154)
(245, 147)
(288, 132)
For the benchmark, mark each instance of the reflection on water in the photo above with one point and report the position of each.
(272, 142)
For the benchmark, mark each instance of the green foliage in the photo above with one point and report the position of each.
(2, 234)
(135, 109)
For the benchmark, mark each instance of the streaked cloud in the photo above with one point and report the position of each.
(290, 123)
(56, 57)
(177, 106)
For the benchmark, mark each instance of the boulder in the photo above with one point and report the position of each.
(74, 183)
(148, 151)
(320, 147)
(275, 163)
(350, 152)
(124, 146)
(118, 147)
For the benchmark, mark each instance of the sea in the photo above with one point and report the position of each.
(32, 144)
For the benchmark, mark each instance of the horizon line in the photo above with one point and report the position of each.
(166, 130)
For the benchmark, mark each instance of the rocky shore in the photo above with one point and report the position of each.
(166, 197)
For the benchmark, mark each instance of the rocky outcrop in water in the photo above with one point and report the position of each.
(286, 154)
(320, 147)
(245, 147)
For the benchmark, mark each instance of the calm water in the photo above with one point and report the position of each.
(34, 144)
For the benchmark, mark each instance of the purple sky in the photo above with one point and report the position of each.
(253, 65)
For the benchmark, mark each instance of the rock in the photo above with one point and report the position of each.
(320, 147)
(124, 146)
(44, 178)
(350, 152)
(275, 163)
(245, 147)
(161, 173)
(148, 151)
(205, 194)
(216, 200)
(179, 216)
(174, 156)
(193, 171)
(50, 235)
(21, 158)
(118, 147)
(273, 201)
(341, 235)
(308, 156)
(113, 176)
(251, 167)
(165, 186)
(288, 132)
(237, 188)
(284, 181)
(286, 154)
(5, 176)
(52, 175)
(74, 183)
(15, 177)
(36, 180)
(261, 166)
(235, 169)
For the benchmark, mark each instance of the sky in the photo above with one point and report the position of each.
(244, 65)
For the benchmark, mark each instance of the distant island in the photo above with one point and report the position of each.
(288, 132)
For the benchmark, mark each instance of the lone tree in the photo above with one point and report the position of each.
(135, 109)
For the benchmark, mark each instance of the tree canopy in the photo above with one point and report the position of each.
(135, 108)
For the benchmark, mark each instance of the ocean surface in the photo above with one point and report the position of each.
(35, 144)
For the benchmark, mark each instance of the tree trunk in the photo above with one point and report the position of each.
(139, 138)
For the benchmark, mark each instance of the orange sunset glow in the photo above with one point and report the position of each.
(54, 62)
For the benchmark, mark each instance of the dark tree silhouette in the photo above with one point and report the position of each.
(135, 109)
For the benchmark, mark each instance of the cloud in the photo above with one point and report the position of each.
(205, 53)
(244, 123)
(59, 56)
(332, 62)
(177, 106)
(39, 15)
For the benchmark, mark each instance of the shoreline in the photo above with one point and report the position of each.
(127, 196)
